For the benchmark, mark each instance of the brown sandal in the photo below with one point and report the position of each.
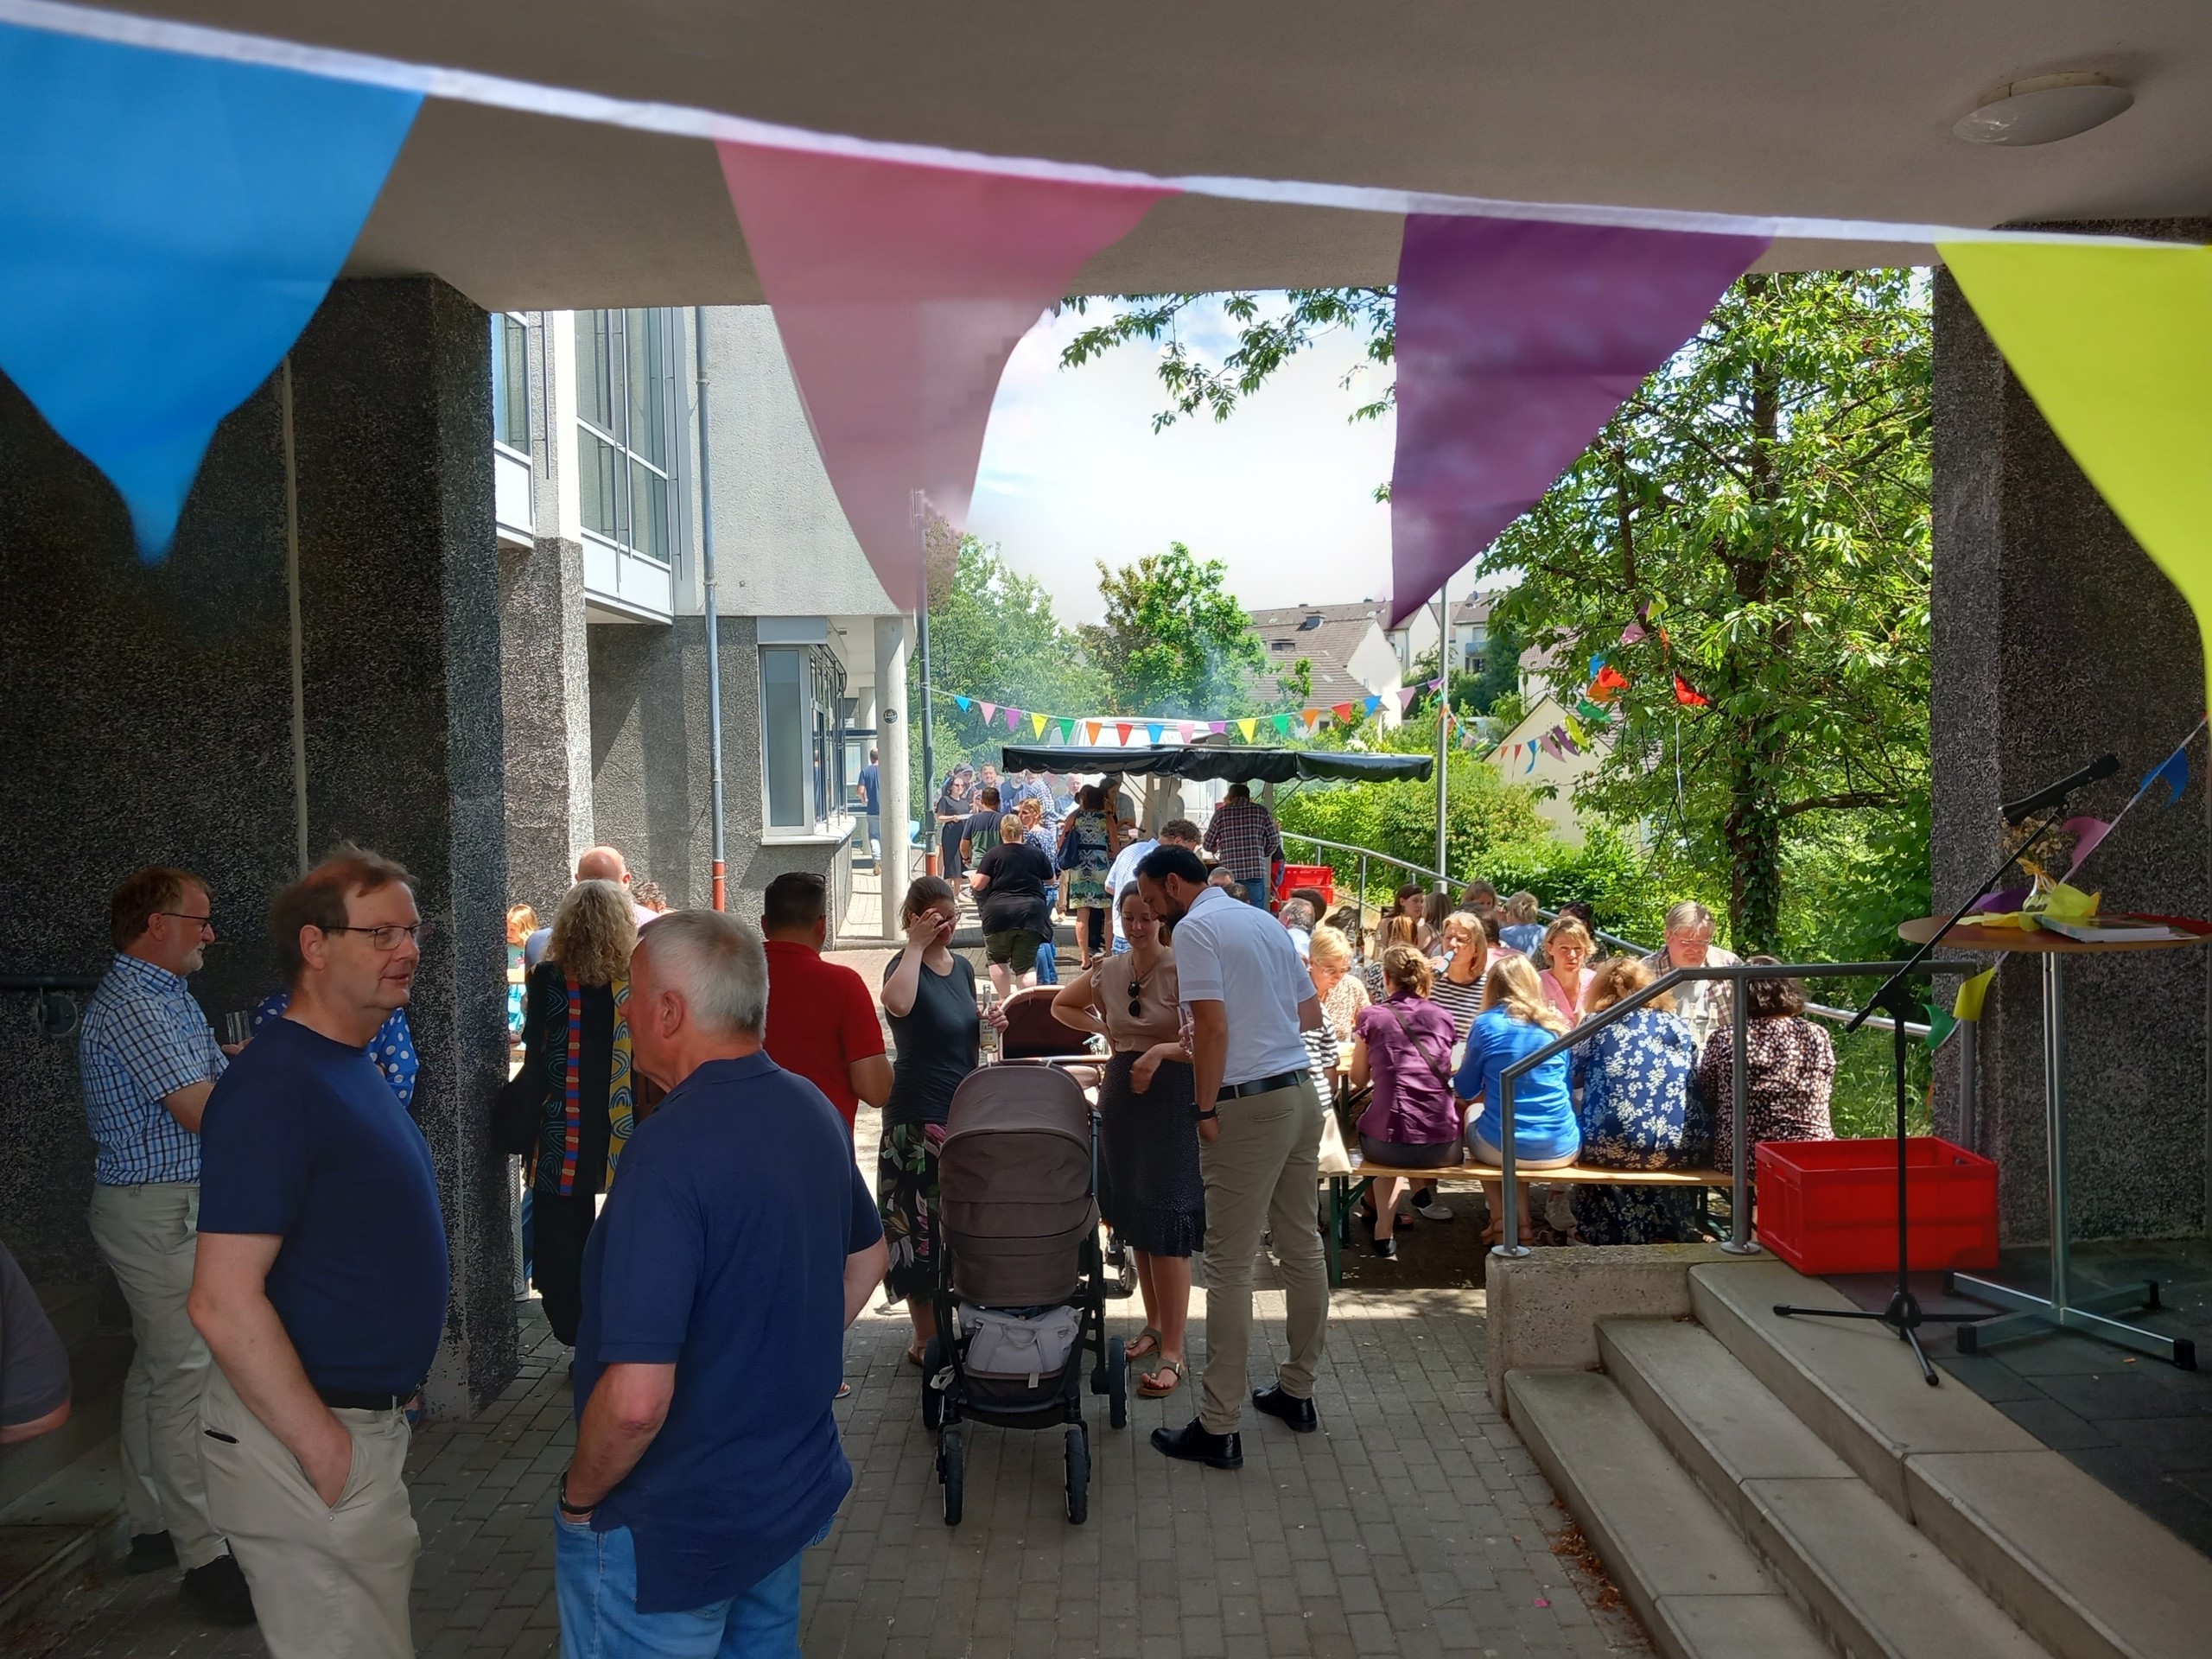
(1135, 1351)
(1148, 1381)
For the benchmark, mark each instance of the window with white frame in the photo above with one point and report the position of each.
(511, 382)
(627, 414)
(802, 747)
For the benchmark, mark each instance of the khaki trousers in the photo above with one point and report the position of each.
(1262, 1172)
(150, 1236)
(327, 1582)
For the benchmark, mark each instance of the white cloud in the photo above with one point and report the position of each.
(1282, 492)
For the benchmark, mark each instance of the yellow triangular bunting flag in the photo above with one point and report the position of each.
(1967, 1006)
(2114, 344)
(1247, 726)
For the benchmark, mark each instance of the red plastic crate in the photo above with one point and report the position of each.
(1308, 875)
(1831, 1206)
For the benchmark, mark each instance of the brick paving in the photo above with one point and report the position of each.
(1415, 1523)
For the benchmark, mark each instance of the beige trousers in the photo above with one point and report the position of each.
(327, 1582)
(150, 1236)
(1262, 1172)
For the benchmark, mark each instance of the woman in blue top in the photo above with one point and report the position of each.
(1640, 1110)
(1516, 1021)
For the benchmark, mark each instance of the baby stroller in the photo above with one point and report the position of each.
(1032, 1033)
(1019, 1293)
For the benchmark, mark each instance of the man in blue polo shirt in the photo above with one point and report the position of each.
(738, 1246)
(321, 1284)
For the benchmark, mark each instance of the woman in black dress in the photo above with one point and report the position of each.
(929, 994)
(587, 1092)
(1150, 1192)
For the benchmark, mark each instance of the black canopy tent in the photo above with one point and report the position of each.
(1224, 763)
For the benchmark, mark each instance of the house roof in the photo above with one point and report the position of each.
(1328, 636)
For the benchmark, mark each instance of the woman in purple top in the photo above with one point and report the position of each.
(1405, 1051)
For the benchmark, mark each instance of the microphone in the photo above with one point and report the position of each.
(2103, 766)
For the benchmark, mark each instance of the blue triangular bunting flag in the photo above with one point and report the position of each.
(167, 227)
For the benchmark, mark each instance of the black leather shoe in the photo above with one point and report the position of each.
(1193, 1445)
(217, 1592)
(1299, 1413)
(149, 1552)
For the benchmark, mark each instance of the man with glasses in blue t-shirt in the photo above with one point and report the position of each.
(738, 1246)
(320, 1286)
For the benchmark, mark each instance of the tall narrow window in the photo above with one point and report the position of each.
(510, 382)
(627, 422)
(786, 737)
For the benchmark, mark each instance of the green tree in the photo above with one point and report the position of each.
(993, 633)
(1175, 642)
(1764, 500)
(1764, 496)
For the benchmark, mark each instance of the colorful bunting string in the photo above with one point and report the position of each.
(991, 712)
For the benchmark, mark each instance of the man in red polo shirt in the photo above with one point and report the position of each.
(822, 1022)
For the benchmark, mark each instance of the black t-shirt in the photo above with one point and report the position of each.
(935, 1042)
(1019, 875)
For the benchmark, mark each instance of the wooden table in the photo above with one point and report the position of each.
(2031, 1314)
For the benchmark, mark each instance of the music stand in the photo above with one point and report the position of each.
(1905, 1314)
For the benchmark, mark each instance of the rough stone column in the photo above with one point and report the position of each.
(2055, 639)
(892, 764)
(399, 598)
(545, 674)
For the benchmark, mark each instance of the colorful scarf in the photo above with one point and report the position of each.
(620, 1087)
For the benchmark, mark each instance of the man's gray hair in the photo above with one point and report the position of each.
(1680, 917)
(1295, 913)
(716, 963)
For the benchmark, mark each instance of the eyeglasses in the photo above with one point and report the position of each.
(388, 936)
(204, 924)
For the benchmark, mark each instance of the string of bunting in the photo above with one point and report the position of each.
(1121, 730)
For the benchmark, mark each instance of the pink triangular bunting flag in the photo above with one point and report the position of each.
(990, 711)
(2087, 833)
(899, 290)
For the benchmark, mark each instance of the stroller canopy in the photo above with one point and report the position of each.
(1014, 1185)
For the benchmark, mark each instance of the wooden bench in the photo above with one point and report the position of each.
(1346, 1190)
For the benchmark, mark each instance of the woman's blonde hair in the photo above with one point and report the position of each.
(1513, 986)
(1404, 969)
(1032, 811)
(1570, 927)
(521, 919)
(1520, 908)
(594, 930)
(1619, 978)
(1395, 930)
(1330, 947)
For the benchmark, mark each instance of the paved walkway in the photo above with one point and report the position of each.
(1415, 1523)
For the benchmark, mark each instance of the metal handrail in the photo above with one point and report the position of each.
(1612, 941)
(1741, 1241)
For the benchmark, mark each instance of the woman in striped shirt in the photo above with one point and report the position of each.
(1458, 987)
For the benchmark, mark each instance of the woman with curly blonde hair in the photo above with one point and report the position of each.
(586, 1091)
(1517, 1020)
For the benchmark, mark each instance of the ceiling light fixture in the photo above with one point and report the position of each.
(2043, 110)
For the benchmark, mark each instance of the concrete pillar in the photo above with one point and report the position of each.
(893, 767)
(150, 719)
(544, 676)
(391, 413)
(2057, 639)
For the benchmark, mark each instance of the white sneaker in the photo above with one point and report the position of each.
(1435, 1211)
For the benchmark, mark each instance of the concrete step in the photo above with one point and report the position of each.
(2081, 1570)
(1874, 1583)
(51, 1537)
(1698, 1587)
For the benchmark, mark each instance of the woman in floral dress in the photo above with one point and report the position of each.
(1792, 1070)
(1640, 1110)
(1087, 857)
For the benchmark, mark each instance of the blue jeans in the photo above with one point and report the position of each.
(595, 1581)
(1048, 963)
(1255, 893)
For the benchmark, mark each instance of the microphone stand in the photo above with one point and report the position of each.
(1905, 1314)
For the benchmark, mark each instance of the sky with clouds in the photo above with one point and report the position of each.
(1282, 492)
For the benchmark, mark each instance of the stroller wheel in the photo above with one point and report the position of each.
(950, 1470)
(1125, 1282)
(1078, 1473)
(1117, 1383)
(933, 1396)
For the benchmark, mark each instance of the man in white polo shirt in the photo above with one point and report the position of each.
(1259, 1126)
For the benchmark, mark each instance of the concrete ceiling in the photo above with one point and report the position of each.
(1732, 105)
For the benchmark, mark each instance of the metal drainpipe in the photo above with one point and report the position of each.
(713, 609)
(1443, 723)
(932, 839)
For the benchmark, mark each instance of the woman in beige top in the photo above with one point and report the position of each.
(1150, 1190)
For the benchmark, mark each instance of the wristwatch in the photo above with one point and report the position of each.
(561, 1499)
(1210, 1111)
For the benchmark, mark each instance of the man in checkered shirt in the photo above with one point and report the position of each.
(1243, 833)
(150, 1060)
